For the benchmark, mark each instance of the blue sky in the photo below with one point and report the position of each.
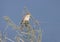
(46, 11)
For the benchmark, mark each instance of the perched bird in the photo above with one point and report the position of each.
(26, 19)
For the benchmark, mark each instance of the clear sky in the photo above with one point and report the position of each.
(46, 11)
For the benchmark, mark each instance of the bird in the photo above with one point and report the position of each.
(26, 19)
